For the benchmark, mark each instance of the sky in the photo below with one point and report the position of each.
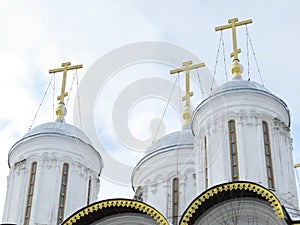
(39, 35)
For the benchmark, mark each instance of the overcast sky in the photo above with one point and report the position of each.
(39, 35)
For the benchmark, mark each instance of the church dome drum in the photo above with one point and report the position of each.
(54, 171)
(242, 131)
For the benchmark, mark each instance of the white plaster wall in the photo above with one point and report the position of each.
(155, 175)
(15, 194)
(248, 108)
(50, 151)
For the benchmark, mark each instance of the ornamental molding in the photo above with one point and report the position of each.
(280, 127)
(50, 160)
(232, 187)
(157, 175)
(114, 204)
(19, 166)
(216, 122)
(154, 188)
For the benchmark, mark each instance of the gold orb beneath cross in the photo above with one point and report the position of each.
(236, 69)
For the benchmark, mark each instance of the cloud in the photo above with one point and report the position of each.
(37, 36)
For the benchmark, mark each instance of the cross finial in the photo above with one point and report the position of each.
(233, 23)
(61, 110)
(187, 66)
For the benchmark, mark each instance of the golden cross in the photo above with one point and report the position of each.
(187, 66)
(233, 23)
(61, 111)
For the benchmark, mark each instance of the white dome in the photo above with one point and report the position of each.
(239, 86)
(236, 84)
(58, 128)
(57, 138)
(175, 140)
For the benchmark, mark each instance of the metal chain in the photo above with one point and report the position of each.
(163, 115)
(41, 102)
(200, 85)
(71, 88)
(78, 97)
(254, 55)
(224, 58)
(179, 94)
(248, 59)
(217, 59)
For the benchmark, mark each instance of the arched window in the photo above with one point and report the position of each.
(30, 192)
(89, 191)
(175, 200)
(205, 163)
(63, 192)
(233, 151)
(268, 155)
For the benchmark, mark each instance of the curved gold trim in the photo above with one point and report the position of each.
(259, 190)
(142, 207)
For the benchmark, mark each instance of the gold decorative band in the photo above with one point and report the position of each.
(119, 203)
(251, 187)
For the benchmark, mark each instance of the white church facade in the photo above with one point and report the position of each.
(232, 163)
